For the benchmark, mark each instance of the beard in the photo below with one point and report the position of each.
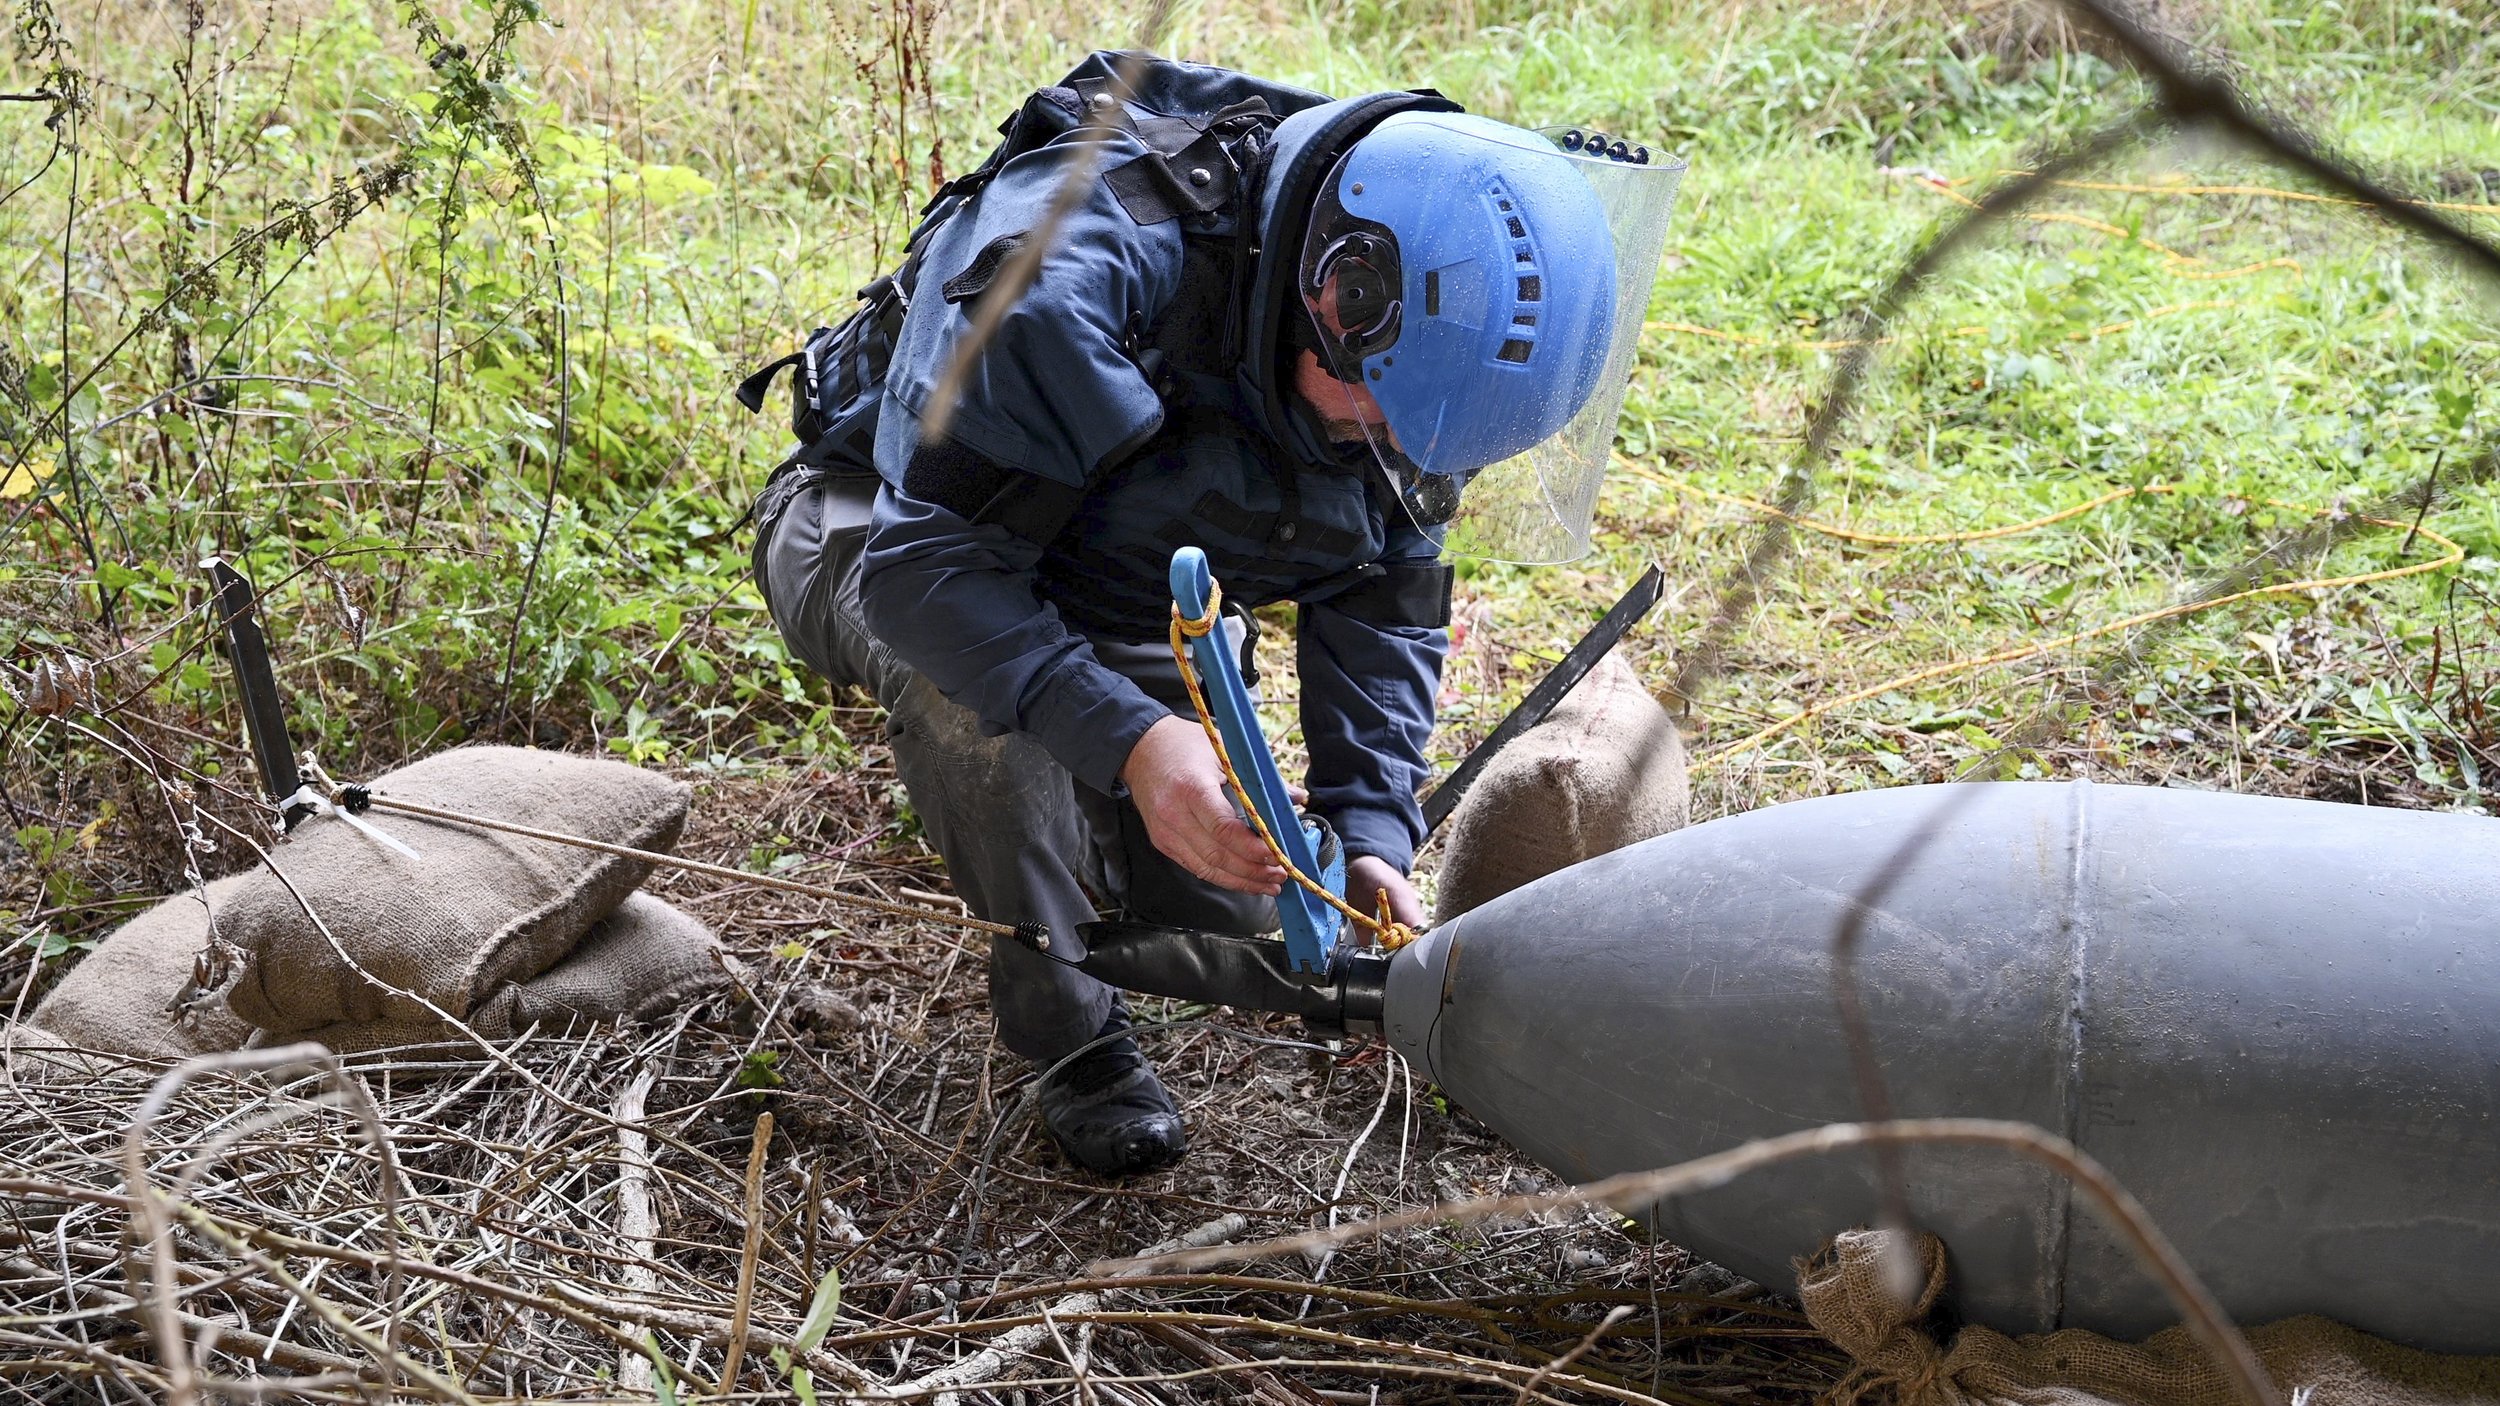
(1340, 409)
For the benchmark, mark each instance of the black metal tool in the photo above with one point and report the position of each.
(1627, 612)
(1246, 973)
(264, 711)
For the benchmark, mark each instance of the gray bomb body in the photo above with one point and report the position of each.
(2276, 1021)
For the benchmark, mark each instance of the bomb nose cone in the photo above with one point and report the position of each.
(2274, 1021)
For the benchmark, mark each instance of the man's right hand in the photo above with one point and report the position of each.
(1179, 789)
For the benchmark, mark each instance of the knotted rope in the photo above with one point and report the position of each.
(1384, 930)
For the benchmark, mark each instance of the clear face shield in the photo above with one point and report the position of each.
(1475, 293)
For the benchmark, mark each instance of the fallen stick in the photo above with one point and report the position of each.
(746, 1258)
(999, 1360)
(1266, 1388)
(231, 1336)
(635, 1219)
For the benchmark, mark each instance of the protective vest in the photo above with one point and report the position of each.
(1226, 162)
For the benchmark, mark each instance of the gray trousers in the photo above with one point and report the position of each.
(1023, 841)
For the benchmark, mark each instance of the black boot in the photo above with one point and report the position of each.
(1109, 1111)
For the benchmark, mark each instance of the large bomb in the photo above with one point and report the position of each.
(2277, 1022)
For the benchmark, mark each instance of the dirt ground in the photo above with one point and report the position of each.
(902, 1156)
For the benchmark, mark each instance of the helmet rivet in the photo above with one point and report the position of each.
(1375, 373)
(1620, 151)
(1284, 532)
(1640, 156)
(1200, 175)
(1571, 140)
(1358, 188)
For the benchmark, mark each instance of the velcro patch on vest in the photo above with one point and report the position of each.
(977, 275)
(1402, 593)
(1195, 180)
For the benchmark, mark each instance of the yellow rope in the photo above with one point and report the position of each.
(2260, 192)
(1388, 933)
(2452, 556)
(2176, 263)
(2093, 334)
(1890, 539)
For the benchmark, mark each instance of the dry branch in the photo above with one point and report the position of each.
(2127, 1216)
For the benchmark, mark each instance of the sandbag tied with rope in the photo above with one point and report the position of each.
(374, 931)
(338, 928)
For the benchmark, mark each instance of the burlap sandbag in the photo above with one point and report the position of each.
(2312, 1360)
(474, 911)
(644, 961)
(118, 997)
(1604, 770)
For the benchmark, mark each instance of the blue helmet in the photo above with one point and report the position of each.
(1461, 275)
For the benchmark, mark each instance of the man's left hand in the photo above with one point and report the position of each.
(1368, 876)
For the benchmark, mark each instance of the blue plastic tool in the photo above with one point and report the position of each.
(1311, 926)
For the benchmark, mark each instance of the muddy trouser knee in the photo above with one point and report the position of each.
(1020, 837)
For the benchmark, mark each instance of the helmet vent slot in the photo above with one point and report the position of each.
(1527, 277)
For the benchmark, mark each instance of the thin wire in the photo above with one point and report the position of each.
(1024, 1103)
(2453, 555)
(2176, 263)
(887, 907)
(1345, 1171)
(1888, 539)
(1974, 331)
(2260, 192)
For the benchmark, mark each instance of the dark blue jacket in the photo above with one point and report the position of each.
(1077, 461)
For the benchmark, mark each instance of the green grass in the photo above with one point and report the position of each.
(590, 222)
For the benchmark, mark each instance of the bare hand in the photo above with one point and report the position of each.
(1172, 775)
(1368, 876)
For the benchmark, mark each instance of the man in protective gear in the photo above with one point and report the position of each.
(1295, 332)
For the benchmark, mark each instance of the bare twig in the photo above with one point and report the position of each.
(1016, 274)
(2125, 1214)
(746, 1257)
(1613, 1316)
(635, 1220)
(155, 1207)
(1769, 551)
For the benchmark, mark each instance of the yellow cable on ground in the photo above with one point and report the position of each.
(1390, 934)
(1890, 539)
(1754, 340)
(2261, 192)
(1845, 343)
(2176, 263)
(2453, 555)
